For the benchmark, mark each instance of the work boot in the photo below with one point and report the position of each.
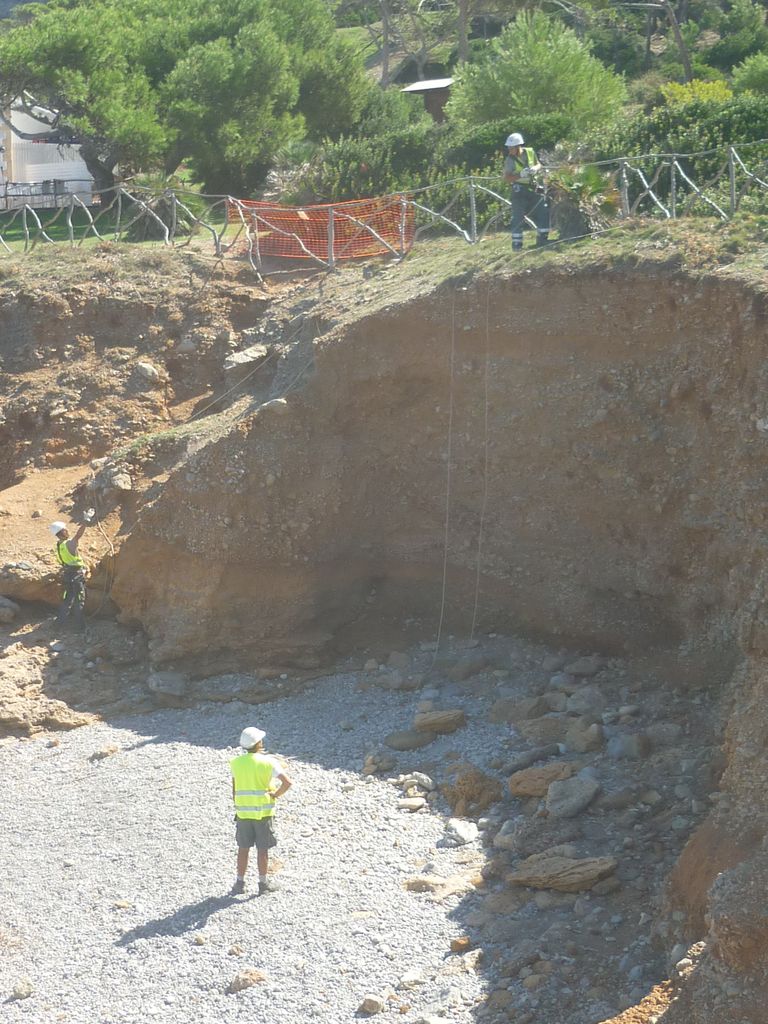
(542, 239)
(239, 888)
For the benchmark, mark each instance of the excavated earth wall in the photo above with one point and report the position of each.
(625, 457)
(601, 438)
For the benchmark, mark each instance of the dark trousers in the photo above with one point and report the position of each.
(526, 202)
(73, 599)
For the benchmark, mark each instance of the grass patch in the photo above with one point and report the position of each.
(360, 40)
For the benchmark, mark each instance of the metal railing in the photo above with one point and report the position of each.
(661, 185)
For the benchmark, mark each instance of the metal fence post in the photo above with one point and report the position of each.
(174, 218)
(403, 216)
(331, 237)
(472, 211)
(732, 180)
(624, 187)
(673, 187)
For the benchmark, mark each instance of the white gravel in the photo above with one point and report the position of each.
(116, 871)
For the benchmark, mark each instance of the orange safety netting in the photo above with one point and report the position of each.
(348, 230)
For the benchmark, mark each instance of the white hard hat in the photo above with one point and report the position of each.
(515, 139)
(250, 737)
(57, 527)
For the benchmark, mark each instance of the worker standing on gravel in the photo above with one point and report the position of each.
(521, 167)
(74, 570)
(253, 777)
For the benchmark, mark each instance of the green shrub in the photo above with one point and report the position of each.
(691, 128)
(687, 128)
(752, 74)
(742, 33)
(482, 144)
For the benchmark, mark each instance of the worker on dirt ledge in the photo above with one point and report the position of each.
(529, 199)
(253, 775)
(74, 571)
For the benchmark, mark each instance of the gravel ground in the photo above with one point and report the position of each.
(116, 870)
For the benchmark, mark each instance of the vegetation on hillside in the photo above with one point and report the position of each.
(302, 97)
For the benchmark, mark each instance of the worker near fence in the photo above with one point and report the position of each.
(74, 571)
(254, 791)
(522, 171)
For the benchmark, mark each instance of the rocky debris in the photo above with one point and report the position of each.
(467, 667)
(561, 870)
(379, 763)
(399, 660)
(587, 666)
(444, 888)
(411, 803)
(8, 610)
(23, 581)
(536, 781)
(109, 484)
(440, 722)
(461, 944)
(409, 739)
(584, 735)
(411, 979)
(571, 796)
(167, 684)
(22, 989)
(587, 700)
(255, 364)
(417, 779)
(663, 734)
(529, 757)
(629, 746)
(372, 1004)
(246, 979)
(148, 373)
(544, 731)
(105, 752)
(459, 832)
(472, 791)
(507, 836)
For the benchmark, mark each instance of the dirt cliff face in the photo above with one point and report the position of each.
(617, 480)
(595, 442)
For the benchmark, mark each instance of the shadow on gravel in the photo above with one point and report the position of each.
(186, 919)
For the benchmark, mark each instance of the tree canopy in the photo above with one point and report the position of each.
(538, 64)
(221, 83)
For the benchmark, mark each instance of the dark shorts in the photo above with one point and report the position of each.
(258, 832)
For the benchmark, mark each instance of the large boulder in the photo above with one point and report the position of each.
(536, 781)
(8, 610)
(553, 870)
(569, 797)
(445, 721)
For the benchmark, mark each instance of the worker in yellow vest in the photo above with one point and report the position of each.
(254, 791)
(74, 570)
(522, 171)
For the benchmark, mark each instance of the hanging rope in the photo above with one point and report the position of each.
(484, 504)
(447, 481)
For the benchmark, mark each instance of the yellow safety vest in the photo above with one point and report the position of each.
(66, 557)
(530, 154)
(252, 774)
